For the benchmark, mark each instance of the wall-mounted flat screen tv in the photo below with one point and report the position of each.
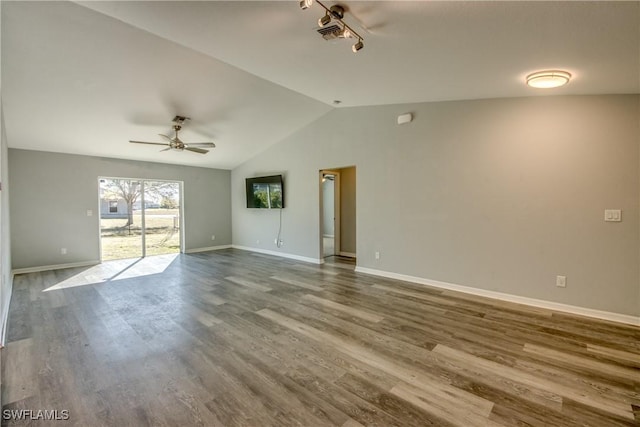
(265, 192)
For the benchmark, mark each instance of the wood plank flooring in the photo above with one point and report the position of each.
(233, 338)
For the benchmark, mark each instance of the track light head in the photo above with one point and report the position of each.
(324, 20)
(337, 11)
(356, 47)
(346, 32)
(305, 4)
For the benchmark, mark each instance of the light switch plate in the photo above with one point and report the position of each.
(613, 215)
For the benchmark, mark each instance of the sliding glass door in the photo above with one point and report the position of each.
(139, 217)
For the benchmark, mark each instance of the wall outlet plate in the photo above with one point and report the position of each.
(561, 281)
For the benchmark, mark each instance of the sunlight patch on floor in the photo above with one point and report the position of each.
(110, 271)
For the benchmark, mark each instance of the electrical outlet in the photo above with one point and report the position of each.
(377, 255)
(89, 212)
(63, 251)
(561, 281)
(213, 237)
(257, 242)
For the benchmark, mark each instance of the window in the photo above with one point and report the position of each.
(113, 206)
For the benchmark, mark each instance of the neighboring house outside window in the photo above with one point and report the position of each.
(112, 208)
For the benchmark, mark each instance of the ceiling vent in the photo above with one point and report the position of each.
(330, 32)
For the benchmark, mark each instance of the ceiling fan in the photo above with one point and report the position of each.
(176, 144)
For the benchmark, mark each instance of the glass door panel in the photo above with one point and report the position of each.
(161, 217)
(120, 218)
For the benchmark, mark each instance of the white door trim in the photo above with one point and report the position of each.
(336, 210)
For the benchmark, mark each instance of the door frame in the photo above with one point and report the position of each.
(336, 211)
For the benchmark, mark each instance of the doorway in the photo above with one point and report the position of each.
(338, 213)
(139, 218)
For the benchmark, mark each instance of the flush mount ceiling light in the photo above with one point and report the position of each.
(342, 30)
(548, 79)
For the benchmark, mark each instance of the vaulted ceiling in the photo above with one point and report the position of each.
(86, 77)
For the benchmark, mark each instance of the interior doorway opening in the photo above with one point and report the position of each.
(338, 213)
(139, 218)
(330, 213)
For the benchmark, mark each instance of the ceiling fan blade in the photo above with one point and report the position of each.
(200, 144)
(196, 150)
(166, 149)
(165, 136)
(150, 143)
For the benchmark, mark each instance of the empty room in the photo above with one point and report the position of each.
(320, 213)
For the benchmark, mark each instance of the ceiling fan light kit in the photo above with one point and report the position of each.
(175, 143)
(342, 30)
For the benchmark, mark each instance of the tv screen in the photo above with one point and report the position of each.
(265, 192)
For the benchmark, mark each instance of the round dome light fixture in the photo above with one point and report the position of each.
(548, 79)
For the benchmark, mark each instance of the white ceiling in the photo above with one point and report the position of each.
(86, 77)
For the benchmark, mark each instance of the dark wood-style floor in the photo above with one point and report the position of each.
(232, 338)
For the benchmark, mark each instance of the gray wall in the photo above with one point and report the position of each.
(499, 194)
(52, 192)
(348, 210)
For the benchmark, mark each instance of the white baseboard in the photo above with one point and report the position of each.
(5, 313)
(347, 254)
(280, 254)
(210, 248)
(589, 312)
(330, 236)
(54, 267)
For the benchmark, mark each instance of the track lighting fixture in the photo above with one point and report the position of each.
(356, 47)
(324, 20)
(336, 13)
